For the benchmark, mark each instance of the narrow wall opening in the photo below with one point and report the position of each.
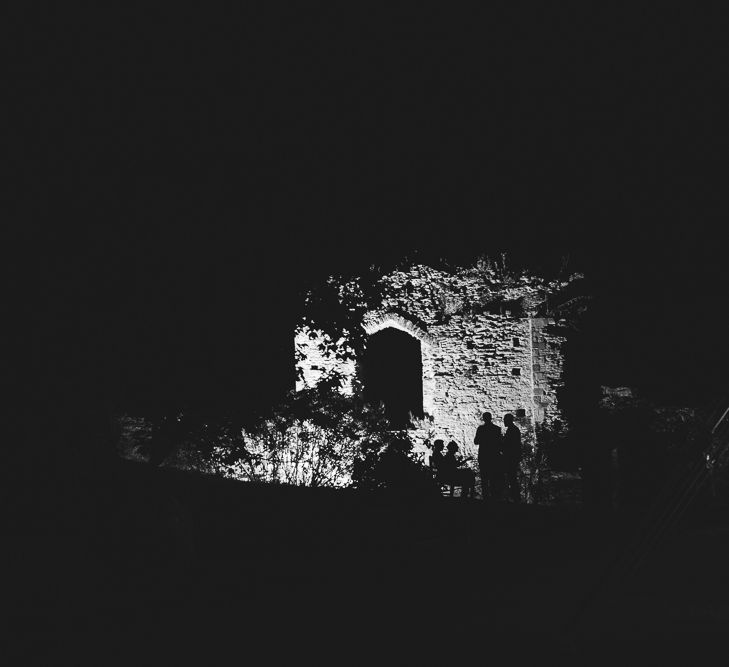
(392, 374)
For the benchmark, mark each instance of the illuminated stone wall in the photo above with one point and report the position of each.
(316, 363)
(483, 348)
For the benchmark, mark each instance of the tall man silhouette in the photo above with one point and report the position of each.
(489, 441)
(512, 457)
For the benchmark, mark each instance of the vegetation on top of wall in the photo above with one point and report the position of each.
(332, 313)
(522, 292)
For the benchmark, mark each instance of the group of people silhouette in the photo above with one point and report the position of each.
(499, 455)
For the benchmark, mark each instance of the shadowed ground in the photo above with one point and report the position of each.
(184, 567)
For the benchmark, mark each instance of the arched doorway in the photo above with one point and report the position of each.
(392, 374)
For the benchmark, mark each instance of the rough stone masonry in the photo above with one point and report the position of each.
(487, 342)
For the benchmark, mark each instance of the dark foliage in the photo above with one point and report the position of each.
(390, 465)
(315, 437)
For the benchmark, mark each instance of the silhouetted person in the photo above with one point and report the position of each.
(489, 441)
(436, 457)
(512, 457)
(454, 474)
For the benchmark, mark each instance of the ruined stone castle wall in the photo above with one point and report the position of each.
(547, 363)
(475, 358)
(475, 366)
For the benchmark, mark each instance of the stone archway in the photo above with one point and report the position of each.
(392, 375)
(421, 341)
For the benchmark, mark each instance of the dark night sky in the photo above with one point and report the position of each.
(181, 176)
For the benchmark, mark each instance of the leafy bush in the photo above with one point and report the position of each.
(557, 446)
(391, 465)
(317, 437)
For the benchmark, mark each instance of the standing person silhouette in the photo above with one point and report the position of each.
(512, 457)
(489, 441)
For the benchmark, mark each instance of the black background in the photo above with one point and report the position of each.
(179, 177)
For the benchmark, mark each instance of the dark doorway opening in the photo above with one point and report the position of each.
(393, 375)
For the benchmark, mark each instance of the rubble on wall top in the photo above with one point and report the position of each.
(471, 290)
(430, 296)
